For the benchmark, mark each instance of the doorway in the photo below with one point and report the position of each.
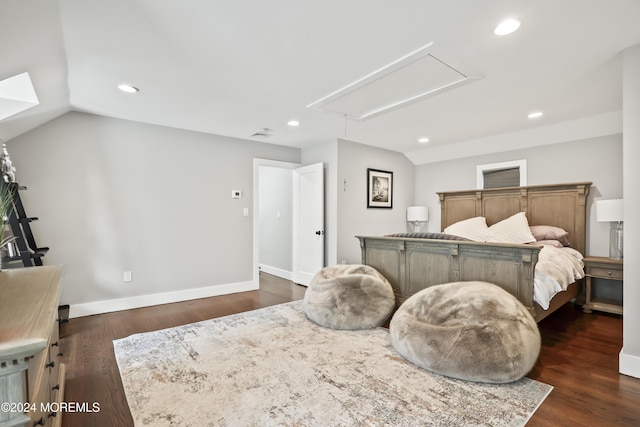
(258, 213)
(276, 225)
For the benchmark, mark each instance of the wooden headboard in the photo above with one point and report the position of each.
(561, 205)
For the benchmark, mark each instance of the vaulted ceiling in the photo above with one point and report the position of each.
(245, 67)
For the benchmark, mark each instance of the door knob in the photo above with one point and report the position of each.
(320, 232)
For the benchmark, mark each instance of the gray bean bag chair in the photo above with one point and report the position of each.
(468, 330)
(349, 297)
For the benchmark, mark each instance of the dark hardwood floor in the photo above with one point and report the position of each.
(579, 358)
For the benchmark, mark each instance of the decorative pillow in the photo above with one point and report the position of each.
(549, 232)
(473, 229)
(554, 243)
(514, 229)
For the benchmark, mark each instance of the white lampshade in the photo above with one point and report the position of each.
(610, 210)
(417, 213)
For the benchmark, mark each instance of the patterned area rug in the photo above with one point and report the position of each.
(273, 367)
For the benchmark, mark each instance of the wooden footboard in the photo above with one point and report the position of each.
(411, 265)
(560, 299)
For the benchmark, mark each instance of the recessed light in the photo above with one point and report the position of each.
(423, 140)
(293, 123)
(128, 88)
(507, 27)
(535, 115)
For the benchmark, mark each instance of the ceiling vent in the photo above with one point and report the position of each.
(262, 133)
(409, 79)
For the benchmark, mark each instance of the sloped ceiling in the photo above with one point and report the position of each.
(235, 67)
(31, 41)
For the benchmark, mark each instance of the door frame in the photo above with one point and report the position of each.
(257, 162)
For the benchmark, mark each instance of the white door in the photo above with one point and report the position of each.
(308, 222)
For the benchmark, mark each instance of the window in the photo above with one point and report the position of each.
(504, 174)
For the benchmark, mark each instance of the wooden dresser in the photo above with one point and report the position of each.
(31, 375)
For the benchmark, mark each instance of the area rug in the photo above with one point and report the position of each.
(273, 367)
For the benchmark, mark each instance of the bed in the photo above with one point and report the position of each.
(412, 264)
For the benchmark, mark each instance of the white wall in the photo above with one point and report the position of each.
(597, 160)
(275, 195)
(114, 195)
(630, 355)
(354, 218)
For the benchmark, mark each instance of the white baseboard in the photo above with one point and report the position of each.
(629, 364)
(276, 271)
(108, 306)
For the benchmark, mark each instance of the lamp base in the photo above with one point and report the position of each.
(415, 226)
(616, 241)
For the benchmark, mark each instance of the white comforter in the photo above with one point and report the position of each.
(556, 269)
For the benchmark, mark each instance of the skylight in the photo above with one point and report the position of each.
(16, 95)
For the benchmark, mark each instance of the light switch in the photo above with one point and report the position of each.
(245, 211)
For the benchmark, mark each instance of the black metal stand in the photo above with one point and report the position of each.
(28, 250)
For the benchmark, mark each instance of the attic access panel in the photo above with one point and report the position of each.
(408, 79)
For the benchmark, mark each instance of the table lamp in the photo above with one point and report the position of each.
(417, 216)
(612, 211)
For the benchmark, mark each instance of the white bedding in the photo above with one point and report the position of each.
(556, 269)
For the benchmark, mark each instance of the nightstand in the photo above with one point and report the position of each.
(600, 297)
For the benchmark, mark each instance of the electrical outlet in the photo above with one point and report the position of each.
(127, 276)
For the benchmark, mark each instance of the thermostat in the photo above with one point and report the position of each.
(236, 194)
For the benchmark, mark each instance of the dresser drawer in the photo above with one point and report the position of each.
(606, 273)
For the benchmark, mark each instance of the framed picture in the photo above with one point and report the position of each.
(379, 189)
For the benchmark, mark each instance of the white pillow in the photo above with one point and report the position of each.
(514, 229)
(472, 229)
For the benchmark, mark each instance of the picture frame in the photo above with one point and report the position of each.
(379, 189)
